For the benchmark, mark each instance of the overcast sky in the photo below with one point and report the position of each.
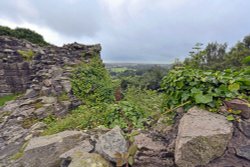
(146, 31)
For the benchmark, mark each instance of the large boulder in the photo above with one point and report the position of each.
(45, 151)
(110, 143)
(202, 137)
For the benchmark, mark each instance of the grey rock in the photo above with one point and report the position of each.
(66, 86)
(84, 146)
(10, 106)
(244, 126)
(29, 102)
(38, 126)
(45, 91)
(8, 50)
(36, 87)
(202, 137)
(41, 112)
(239, 104)
(110, 143)
(45, 151)
(47, 82)
(48, 99)
(30, 93)
(243, 151)
(151, 152)
(83, 159)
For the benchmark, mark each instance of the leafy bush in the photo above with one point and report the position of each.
(133, 111)
(246, 60)
(149, 101)
(204, 88)
(125, 115)
(109, 115)
(23, 33)
(92, 83)
(5, 31)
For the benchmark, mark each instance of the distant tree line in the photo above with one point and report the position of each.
(143, 78)
(23, 33)
(217, 56)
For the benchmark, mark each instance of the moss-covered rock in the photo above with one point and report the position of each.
(84, 159)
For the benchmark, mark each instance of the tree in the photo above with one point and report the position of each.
(246, 41)
(237, 54)
(212, 57)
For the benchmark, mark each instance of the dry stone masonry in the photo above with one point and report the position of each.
(15, 74)
(25, 65)
(42, 76)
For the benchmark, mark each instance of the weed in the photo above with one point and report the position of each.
(27, 55)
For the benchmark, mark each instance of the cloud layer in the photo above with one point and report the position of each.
(132, 30)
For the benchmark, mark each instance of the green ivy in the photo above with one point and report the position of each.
(125, 115)
(92, 83)
(204, 88)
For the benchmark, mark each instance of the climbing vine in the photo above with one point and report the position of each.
(206, 89)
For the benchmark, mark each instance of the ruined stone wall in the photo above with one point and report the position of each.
(14, 72)
(43, 80)
(17, 74)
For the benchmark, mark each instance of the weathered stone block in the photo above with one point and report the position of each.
(202, 137)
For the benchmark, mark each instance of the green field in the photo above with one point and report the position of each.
(119, 69)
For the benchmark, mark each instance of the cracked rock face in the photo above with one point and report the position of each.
(45, 151)
(202, 137)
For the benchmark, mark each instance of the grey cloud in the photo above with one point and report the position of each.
(140, 30)
(70, 19)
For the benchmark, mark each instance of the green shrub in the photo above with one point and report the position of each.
(204, 88)
(5, 31)
(92, 83)
(7, 98)
(123, 114)
(133, 111)
(23, 33)
(29, 35)
(246, 60)
(63, 97)
(149, 101)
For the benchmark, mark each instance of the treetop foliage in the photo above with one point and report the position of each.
(23, 33)
(217, 56)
